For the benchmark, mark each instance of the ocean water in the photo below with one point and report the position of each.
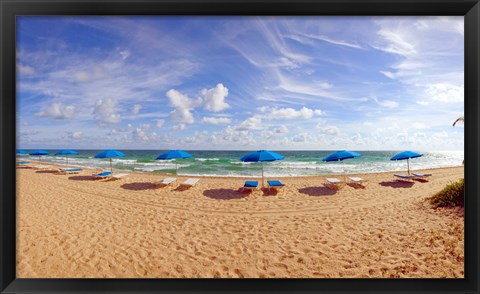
(228, 164)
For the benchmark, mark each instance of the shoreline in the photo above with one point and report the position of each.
(240, 177)
(71, 226)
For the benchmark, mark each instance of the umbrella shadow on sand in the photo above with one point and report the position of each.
(397, 184)
(224, 194)
(139, 186)
(317, 191)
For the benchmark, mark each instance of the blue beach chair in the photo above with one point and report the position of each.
(401, 177)
(103, 175)
(70, 170)
(250, 185)
(421, 176)
(275, 184)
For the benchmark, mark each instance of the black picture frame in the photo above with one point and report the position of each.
(9, 9)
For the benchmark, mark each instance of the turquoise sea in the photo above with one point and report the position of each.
(227, 163)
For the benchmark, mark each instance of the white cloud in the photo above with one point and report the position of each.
(105, 112)
(398, 41)
(28, 133)
(179, 127)
(141, 133)
(333, 41)
(75, 135)
(127, 129)
(136, 108)
(58, 111)
(388, 103)
(124, 54)
(25, 69)
(215, 98)
(299, 138)
(445, 93)
(252, 123)
(281, 130)
(440, 135)
(418, 125)
(183, 106)
(81, 76)
(160, 123)
(216, 120)
(290, 113)
(330, 130)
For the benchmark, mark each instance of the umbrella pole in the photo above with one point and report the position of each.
(111, 169)
(408, 166)
(176, 167)
(344, 172)
(262, 176)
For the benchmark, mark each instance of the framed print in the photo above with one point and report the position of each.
(271, 146)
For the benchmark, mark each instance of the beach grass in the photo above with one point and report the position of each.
(452, 195)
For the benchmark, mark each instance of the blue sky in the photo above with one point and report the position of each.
(240, 83)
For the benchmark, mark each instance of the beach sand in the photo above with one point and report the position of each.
(70, 226)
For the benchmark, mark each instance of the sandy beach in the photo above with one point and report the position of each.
(72, 226)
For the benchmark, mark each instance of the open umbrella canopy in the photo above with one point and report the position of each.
(66, 152)
(261, 155)
(109, 154)
(405, 155)
(341, 155)
(21, 151)
(174, 154)
(39, 152)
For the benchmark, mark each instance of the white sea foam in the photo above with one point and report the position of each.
(207, 159)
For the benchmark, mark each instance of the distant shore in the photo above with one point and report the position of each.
(71, 226)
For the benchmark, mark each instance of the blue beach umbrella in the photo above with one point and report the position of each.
(21, 152)
(66, 153)
(261, 156)
(174, 154)
(341, 156)
(39, 153)
(406, 155)
(109, 154)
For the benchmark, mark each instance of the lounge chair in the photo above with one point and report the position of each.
(70, 170)
(275, 184)
(118, 176)
(22, 162)
(401, 177)
(103, 175)
(250, 185)
(189, 183)
(166, 181)
(334, 183)
(421, 176)
(357, 181)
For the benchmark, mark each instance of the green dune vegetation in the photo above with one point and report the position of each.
(450, 196)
